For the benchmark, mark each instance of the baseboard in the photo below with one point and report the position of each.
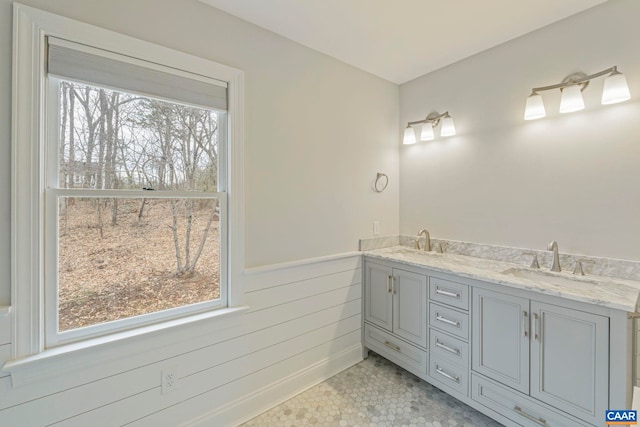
(241, 410)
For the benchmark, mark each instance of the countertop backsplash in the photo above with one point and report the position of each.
(621, 269)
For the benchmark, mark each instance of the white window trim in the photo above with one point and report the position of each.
(31, 27)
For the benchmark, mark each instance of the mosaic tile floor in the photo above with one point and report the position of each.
(375, 392)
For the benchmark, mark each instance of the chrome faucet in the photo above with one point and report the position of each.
(427, 240)
(555, 265)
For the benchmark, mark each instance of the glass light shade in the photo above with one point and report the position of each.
(571, 99)
(535, 107)
(409, 136)
(447, 128)
(615, 89)
(427, 132)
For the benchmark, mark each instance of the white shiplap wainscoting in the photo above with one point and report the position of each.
(5, 337)
(303, 326)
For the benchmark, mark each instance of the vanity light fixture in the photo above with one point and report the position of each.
(615, 90)
(427, 133)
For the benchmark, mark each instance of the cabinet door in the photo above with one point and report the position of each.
(500, 341)
(570, 360)
(410, 306)
(378, 296)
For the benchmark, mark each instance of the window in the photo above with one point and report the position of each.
(126, 155)
(142, 236)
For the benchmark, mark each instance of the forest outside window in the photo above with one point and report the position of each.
(135, 196)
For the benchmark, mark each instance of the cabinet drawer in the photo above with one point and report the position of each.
(449, 320)
(451, 293)
(405, 355)
(447, 347)
(519, 408)
(450, 375)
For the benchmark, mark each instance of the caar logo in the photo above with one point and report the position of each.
(617, 417)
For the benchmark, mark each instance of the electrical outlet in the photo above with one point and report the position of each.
(376, 228)
(169, 379)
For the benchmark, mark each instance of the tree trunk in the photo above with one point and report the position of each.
(196, 257)
(176, 242)
(72, 148)
(99, 209)
(112, 135)
(102, 139)
(65, 165)
(114, 212)
(187, 235)
(89, 173)
(141, 211)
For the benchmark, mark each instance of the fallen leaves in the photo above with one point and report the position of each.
(131, 270)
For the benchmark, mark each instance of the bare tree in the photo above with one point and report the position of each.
(142, 143)
(186, 138)
(72, 131)
(65, 166)
(91, 119)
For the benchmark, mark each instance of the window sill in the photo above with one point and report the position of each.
(95, 352)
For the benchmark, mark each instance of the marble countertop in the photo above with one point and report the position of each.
(619, 294)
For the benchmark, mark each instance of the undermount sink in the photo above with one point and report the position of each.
(409, 251)
(550, 278)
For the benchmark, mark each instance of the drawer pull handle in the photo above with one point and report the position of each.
(447, 321)
(447, 348)
(447, 375)
(392, 346)
(538, 420)
(447, 293)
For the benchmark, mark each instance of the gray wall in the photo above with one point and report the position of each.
(573, 178)
(317, 130)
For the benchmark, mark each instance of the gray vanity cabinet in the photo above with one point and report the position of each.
(500, 338)
(554, 354)
(396, 300)
(378, 308)
(570, 360)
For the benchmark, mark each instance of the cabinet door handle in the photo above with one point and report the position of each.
(447, 293)
(447, 321)
(525, 323)
(447, 348)
(392, 346)
(447, 375)
(389, 284)
(536, 335)
(393, 285)
(537, 420)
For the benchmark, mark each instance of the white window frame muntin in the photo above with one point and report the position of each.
(31, 27)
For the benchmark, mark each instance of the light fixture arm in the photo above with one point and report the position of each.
(576, 79)
(433, 118)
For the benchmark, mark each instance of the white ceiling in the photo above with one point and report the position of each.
(402, 39)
